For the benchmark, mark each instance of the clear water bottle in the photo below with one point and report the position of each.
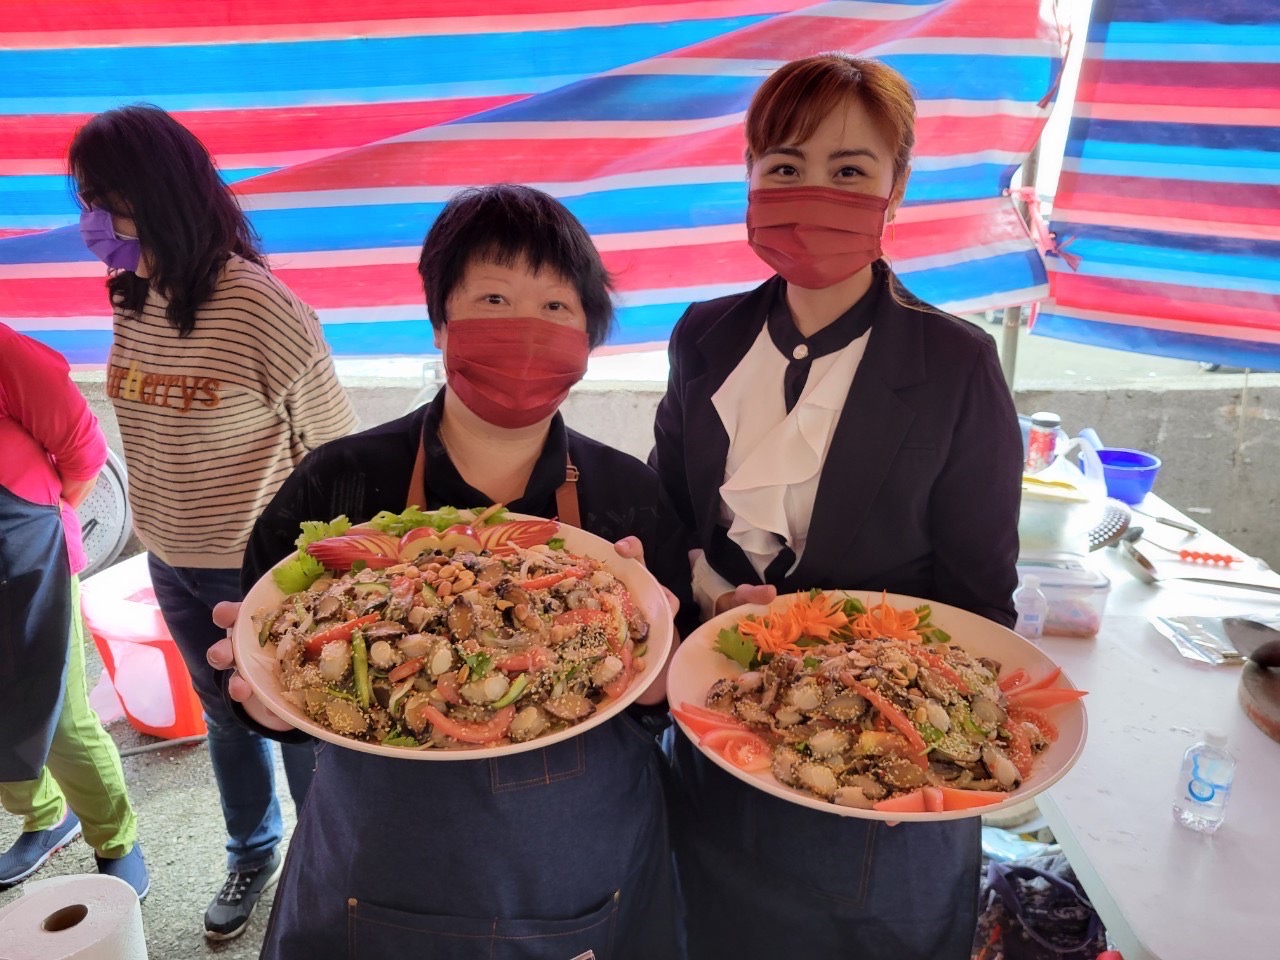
(1032, 607)
(1204, 785)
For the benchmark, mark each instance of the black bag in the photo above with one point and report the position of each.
(1035, 909)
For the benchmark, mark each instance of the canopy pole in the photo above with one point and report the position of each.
(1013, 315)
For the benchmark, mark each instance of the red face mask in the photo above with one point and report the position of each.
(513, 372)
(814, 237)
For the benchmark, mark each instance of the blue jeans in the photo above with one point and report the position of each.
(242, 761)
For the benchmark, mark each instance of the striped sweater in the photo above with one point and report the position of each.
(212, 423)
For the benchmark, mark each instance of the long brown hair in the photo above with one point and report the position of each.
(792, 102)
(139, 162)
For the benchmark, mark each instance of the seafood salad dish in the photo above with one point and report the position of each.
(872, 707)
(449, 630)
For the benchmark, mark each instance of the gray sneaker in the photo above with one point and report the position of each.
(231, 909)
(32, 849)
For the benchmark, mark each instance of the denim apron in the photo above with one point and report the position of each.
(550, 854)
(764, 878)
(35, 624)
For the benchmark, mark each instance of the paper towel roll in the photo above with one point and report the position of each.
(85, 917)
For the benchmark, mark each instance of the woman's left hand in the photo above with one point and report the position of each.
(221, 656)
(630, 548)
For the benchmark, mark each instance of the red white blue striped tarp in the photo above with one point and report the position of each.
(1170, 189)
(344, 139)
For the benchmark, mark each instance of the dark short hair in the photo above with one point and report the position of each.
(139, 162)
(507, 224)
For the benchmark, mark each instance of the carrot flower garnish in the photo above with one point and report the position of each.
(882, 620)
(806, 617)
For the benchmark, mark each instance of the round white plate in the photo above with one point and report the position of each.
(696, 665)
(258, 666)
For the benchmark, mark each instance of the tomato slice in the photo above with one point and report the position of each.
(489, 732)
(940, 667)
(742, 748)
(912, 802)
(447, 684)
(953, 799)
(706, 713)
(1020, 750)
(618, 685)
(701, 725)
(533, 660)
(1043, 699)
(582, 616)
(406, 669)
(1048, 680)
(1014, 680)
(933, 802)
(1048, 729)
(585, 617)
(551, 579)
(343, 631)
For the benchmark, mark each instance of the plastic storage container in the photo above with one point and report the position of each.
(1076, 593)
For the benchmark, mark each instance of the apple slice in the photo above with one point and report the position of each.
(375, 550)
(417, 542)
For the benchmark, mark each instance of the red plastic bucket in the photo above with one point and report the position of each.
(143, 662)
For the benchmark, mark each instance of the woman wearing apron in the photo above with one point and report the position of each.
(59, 769)
(829, 430)
(553, 853)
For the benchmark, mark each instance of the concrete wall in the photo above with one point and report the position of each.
(1220, 442)
(1220, 447)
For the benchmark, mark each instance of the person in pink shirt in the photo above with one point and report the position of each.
(59, 769)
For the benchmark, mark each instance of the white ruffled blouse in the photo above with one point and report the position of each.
(775, 457)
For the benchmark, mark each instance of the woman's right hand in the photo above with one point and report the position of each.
(706, 583)
(221, 656)
(746, 593)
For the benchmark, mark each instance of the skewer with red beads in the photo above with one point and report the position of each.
(1201, 556)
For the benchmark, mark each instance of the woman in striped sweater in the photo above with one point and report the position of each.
(221, 382)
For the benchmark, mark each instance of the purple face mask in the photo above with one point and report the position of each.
(117, 252)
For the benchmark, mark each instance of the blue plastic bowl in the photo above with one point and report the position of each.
(1129, 474)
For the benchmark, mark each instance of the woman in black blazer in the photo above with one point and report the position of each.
(827, 429)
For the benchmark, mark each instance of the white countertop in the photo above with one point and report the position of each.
(1166, 892)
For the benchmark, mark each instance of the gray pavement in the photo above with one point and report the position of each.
(181, 830)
